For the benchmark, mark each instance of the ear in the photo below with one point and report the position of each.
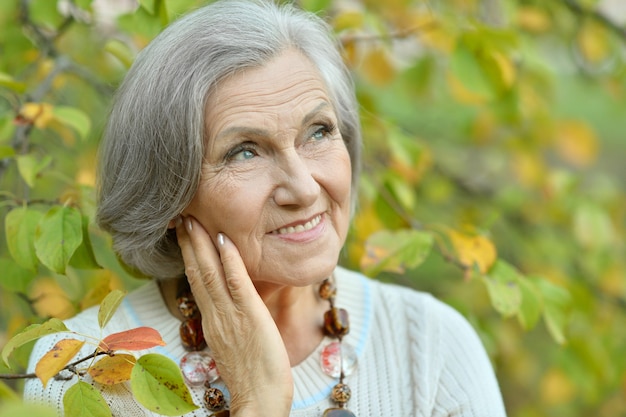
(172, 223)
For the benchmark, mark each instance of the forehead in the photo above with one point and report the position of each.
(288, 83)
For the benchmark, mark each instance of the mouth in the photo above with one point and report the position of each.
(300, 227)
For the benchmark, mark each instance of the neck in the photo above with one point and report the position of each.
(297, 311)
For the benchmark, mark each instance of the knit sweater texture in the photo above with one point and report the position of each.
(416, 356)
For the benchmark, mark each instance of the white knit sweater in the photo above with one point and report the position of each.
(416, 356)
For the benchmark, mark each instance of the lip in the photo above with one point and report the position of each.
(302, 230)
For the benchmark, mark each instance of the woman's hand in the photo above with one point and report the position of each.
(243, 338)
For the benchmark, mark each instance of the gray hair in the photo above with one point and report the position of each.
(153, 147)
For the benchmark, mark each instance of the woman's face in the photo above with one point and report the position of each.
(276, 177)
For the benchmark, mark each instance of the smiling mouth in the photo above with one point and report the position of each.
(299, 228)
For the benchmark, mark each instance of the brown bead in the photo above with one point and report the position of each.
(214, 399)
(187, 306)
(191, 335)
(338, 412)
(341, 394)
(221, 413)
(327, 290)
(336, 322)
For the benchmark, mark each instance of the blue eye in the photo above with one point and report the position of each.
(243, 155)
(323, 132)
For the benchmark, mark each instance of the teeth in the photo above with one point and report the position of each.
(301, 227)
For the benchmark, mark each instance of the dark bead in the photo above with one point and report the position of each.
(338, 412)
(341, 394)
(214, 399)
(336, 322)
(327, 290)
(187, 306)
(222, 413)
(191, 335)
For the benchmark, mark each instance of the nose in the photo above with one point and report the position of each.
(296, 184)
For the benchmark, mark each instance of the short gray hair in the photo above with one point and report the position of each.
(153, 147)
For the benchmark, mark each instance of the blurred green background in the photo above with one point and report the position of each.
(494, 128)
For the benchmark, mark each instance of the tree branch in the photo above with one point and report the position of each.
(69, 367)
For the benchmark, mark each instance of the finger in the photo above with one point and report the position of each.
(202, 264)
(235, 272)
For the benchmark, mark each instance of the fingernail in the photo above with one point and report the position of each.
(220, 239)
(188, 224)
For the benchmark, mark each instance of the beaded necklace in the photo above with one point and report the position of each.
(199, 369)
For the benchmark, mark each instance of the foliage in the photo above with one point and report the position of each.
(493, 175)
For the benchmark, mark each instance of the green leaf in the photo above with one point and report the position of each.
(30, 333)
(530, 309)
(556, 303)
(14, 278)
(20, 225)
(7, 394)
(120, 51)
(395, 251)
(148, 5)
(503, 287)
(74, 118)
(161, 8)
(13, 409)
(83, 400)
(593, 227)
(108, 306)
(84, 257)
(158, 385)
(9, 82)
(6, 152)
(29, 167)
(57, 237)
(466, 66)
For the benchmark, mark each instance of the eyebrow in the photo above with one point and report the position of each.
(253, 131)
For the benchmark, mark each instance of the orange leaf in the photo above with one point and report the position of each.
(134, 339)
(56, 359)
(112, 370)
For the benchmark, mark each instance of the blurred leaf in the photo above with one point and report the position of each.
(14, 409)
(7, 394)
(533, 19)
(109, 306)
(148, 5)
(84, 257)
(20, 225)
(9, 82)
(6, 152)
(49, 299)
(593, 41)
(83, 400)
(74, 118)
(466, 68)
(37, 114)
(31, 333)
(55, 360)
(348, 19)
(377, 67)
(556, 305)
(30, 168)
(158, 385)
(111, 370)
(503, 287)
(59, 234)
(532, 303)
(139, 338)
(593, 227)
(576, 142)
(14, 277)
(473, 250)
(120, 51)
(395, 251)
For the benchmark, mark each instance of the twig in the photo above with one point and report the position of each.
(69, 367)
(399, 34)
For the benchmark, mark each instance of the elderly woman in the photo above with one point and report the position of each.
(228, 173)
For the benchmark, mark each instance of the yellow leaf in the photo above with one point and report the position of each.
(38, 114)
(556, 388)
(50, 300)
(529, 168)
(533, 19)
(576, 142)
(350, 19)
(593, 42)
(462, 94)
(506, 69)
(473, 250)
(377, 67)
(56, 359)
(111, 370)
